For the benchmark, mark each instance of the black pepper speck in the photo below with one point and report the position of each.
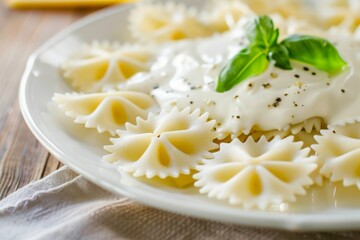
(277, 102)
(266, 85)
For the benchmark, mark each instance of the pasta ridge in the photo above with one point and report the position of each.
(338, 151)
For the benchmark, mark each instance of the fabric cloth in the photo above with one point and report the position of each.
(64, 205)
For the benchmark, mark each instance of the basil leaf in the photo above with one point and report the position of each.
(247, 63)
(315, 51)
(280, 55)
(274, 37)
(261, 32)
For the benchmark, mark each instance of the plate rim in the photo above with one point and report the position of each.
(283, 221)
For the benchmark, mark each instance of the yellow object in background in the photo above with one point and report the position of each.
(62, 3)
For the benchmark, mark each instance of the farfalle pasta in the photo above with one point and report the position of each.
(226, 14)
(101, 66)
(257, 173)
(107, 112)
(169, 22)
(284, 7)
(169, 144)
(338, 150)
(292, 25)
(224, 102)
(341, 13)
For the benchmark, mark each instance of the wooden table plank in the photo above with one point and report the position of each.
(51, 165)
(22, 158)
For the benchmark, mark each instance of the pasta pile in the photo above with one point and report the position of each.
(339, 13)
(252, 167)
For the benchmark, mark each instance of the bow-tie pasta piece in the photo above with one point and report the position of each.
(256, 174)
(287, 8)
(226, 14)
(289, 26)
(101, 66)
(169, 22)
(338, 151)
(169, 144)
(105, 111)
(342, 13)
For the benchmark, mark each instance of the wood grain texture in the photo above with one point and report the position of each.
(22, 158)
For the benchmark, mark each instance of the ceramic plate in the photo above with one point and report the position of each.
(78, 148)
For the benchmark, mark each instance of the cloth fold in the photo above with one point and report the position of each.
(65, 205)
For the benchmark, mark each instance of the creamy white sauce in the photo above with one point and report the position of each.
(185, 74)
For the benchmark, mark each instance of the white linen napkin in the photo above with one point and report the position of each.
(64, 205)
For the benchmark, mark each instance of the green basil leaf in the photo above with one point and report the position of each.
(280, 55)
(247, 63)
(274, 38)
(315, 51)
(261, 32)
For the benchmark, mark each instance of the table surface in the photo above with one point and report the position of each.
(22, 158)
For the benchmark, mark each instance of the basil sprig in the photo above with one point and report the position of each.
(264, 47)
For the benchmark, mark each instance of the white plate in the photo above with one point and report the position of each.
(74, 146)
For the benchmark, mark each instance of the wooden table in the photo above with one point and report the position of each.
(22, 158)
